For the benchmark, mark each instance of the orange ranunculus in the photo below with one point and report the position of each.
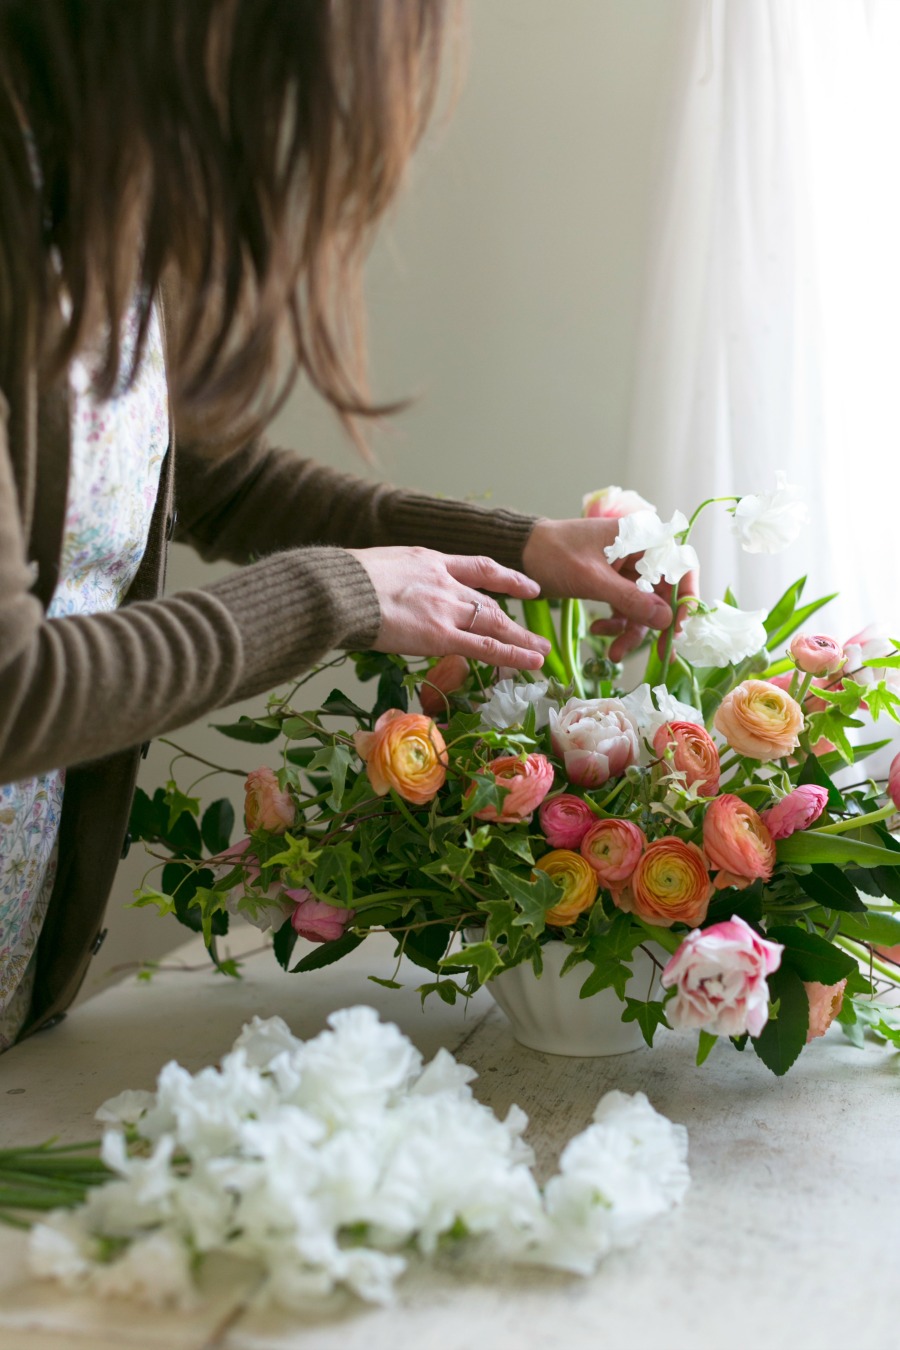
(737, 842)
(694, 754)
(578, 880)
(406, 752)
(760, 720)
(444, 677)
(266, 806)
(670, 884)
(527, 782)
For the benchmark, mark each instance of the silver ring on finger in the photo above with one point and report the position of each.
(477, 608)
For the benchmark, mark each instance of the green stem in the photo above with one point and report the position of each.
(857, 822)
(710, 501)
(861, 952)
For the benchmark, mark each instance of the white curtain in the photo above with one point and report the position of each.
(771, 329)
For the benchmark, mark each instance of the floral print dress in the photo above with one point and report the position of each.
(117, 450)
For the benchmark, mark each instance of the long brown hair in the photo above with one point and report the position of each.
(244, 148)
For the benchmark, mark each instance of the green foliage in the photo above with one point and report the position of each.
(256, 730)
(649, 1016)
(784, 1036)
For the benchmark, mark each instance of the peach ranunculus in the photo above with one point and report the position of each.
(737, 842)
(825, 1002)
(578, 880)
(694, 753)
(612, 847)
(893, 781)
(266, 805)
(406, 752)
(444, 677)
(595, 738)
(527, 782)
(316, 920)
(720, 978)
(817, 654)
(612, 503)
(565, 820)
(796, 811)
(760, 720)
(670, 884)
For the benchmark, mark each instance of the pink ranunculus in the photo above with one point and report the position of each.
(565, 820)
(796, 811)
(445, 677)
(612, 503)
(736, 841)
(868, 645)
(825, 1002)
(266, 805)
(595, 738)
(720, 978)
(817, 654)
(613, 847)
(694, 753)
(894, 781)
(811, 702)
(527, 782)
(314, 919)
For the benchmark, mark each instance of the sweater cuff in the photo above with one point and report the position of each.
(292, 609)
(459, 527)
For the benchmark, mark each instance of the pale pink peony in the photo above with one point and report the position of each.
(565, 820)
(796, 811)
(595, 738)
(720, 977)
(736, 841)
(314, 919)
(817, 654)
(266, 805)
(445, 677)
(613, 847)
(825, 1002)
(894, 781)
(528, 781)
(612, 503)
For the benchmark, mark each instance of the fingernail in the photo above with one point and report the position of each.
(544, 646)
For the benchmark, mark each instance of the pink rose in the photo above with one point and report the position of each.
(528, 781)
(612, 503)
(825, 1002)
(894, 781)
(595, 738)
(694, 753)
(795, 811)
(266, 805)
(315, 920)
(565, 820)
(816, 654)
(720, 977)
(445, 677)
(613, 847)
(736, 841)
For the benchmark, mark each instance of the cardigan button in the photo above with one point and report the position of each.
(126, 845)
(171, 523)
(98, 941)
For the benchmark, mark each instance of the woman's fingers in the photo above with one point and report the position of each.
(483, 574)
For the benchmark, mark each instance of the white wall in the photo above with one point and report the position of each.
(504, 294)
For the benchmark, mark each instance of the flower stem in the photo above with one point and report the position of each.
(857, 822)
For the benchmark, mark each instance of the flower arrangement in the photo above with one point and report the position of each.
(701, 815)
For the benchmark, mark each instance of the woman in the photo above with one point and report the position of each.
(184, 182)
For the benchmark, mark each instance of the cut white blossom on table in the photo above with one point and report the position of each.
(510, 700)
(664, 556)
(768, 522)
(721, 635)
(321, 1162)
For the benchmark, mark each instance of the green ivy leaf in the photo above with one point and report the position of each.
(532, 898)
(209, 903)
(448, 990)
(704, 1046)
(425, 946)
(297, 860)
(781, 1040)
(608, 972)
(649, 1016)
(334, 872)
(178, 803)
(146, 895)
(256, 730)
(880, 699)
(482, 957)
(335, 760)
(386, 984)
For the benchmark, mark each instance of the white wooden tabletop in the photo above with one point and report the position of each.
(787, 1239)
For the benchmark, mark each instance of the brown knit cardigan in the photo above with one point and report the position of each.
(85, 691)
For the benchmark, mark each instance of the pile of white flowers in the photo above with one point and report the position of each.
(321, 1161)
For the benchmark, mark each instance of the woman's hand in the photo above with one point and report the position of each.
(434, 603)
(566, 558)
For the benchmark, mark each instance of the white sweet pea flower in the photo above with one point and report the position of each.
(663, 556)
(722, 635)
(509, 701)
(768, 522)
(651, 709)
